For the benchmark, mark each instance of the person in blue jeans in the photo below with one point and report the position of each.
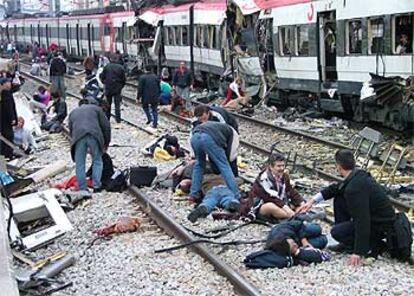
(301, 240)
(219, 142)
(216, 194)
(90, 132)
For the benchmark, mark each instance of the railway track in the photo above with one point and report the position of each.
(172, 227)
(230, 258)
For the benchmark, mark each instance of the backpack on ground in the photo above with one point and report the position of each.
(400, 238)
(118, 181)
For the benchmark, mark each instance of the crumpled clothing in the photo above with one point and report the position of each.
(161, 154)
(72, 183)
(124, 224)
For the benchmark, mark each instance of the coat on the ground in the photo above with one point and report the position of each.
(149, 89)
(89, 120)
(366, 203)
(113, 77)
(266, 188)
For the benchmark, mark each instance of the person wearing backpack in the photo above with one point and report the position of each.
(89, 130)
(362, 210)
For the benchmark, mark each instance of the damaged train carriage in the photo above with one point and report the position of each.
(325, 50)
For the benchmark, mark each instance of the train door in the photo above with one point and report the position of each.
(77, 40)
(89, 39)
(327, 46)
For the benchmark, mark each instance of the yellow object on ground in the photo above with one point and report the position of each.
(240, 163)
(161, 154)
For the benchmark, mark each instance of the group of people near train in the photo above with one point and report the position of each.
(365, 221)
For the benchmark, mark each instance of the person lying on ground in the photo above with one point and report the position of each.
(272, 191)
(216, 194)
(303, 241)
(23, 137)
(53, 123)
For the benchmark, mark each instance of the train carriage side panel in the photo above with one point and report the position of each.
(174, 49)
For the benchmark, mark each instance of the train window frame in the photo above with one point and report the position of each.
(393, 32)
(347, 37)
(171, 36)
(206, 36)
(290, 30)
(166, 35)
(297, 39)
(370, 35)
(186, 37)
(177, 35)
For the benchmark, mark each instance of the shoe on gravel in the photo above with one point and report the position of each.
(340, 248)
(234, 206)
(199, 212)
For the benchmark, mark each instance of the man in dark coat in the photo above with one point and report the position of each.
(57, 74)
(114, 79)
(8, 116)
(149, 92)
(363, 212)
(89, 130)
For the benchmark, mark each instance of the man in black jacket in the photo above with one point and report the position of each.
(89, 130)
(57, 74)
(219, 141)
(8, 116)
(149, 91)
(363, 212)
(114, 79)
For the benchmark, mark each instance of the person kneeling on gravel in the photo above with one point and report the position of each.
(90, 130)
(216, 194)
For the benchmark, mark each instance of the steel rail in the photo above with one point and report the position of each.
(240, 284)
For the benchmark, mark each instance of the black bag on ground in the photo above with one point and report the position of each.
(142, 175)
(400, 238)
(118, 181)
(267, 259)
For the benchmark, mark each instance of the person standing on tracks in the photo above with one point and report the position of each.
(8, 116)
(206, 113)
(183, 84)
(114, 79)
(57, 74)
(220, 143)
(149, 92)
(362, 210)
(90, 130)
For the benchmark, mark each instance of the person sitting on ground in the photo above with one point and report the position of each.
(219, 142)
(90, 130)
(89, 65)
(216, 194)
(234, 91)
(23, 137)
(300, 240)
(272, 191)
(165, 96)
(177, 104)
(60, 111)
(362, 210)
(40, 100)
